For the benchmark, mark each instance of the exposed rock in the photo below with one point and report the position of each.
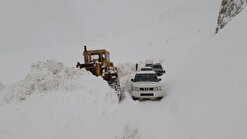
(228, 10)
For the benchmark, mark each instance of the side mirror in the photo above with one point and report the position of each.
(132, 80)
(159, 79)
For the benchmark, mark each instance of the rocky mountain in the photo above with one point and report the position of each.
(228, 10)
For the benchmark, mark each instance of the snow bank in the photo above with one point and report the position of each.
(58, 102)
(47, 76)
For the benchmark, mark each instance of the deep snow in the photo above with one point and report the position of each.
(205, 78)
(58, 102)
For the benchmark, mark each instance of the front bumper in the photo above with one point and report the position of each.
(146, 94)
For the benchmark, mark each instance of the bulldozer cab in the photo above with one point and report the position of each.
(96, 56)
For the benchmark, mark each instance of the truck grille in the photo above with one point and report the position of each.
(146, 89)
(147, 94)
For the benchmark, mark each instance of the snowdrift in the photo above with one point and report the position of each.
(53, 76)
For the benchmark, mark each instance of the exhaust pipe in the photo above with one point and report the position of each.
(85, 48)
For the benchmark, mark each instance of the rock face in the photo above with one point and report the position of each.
(228, 10)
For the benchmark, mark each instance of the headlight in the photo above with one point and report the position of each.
(135, 88)
(158, 88)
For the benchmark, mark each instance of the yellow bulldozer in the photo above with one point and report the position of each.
(98, 63)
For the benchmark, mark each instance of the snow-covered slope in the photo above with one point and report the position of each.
(208, 85)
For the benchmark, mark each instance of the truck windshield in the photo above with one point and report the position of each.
(95, 57)
(146, 77)
(157, 66)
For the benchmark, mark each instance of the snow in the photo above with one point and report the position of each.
(63, 102)
(131, 30)
(53, 99)
(205, 78)
(210, 85)
(1, 85)
(48, 76)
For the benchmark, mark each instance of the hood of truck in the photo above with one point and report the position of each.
(145, 84)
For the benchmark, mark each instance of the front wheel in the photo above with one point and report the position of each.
(134, 98)
(159, 98)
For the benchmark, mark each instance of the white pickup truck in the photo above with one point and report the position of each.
(145, 85)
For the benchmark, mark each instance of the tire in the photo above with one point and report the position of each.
(134, 98)
(159, 98)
